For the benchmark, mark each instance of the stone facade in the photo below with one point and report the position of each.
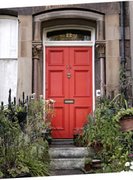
(108, 32)
(25, 55)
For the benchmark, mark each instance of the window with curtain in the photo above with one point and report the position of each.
(8, 56)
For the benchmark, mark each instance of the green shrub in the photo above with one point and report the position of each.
(102, 132)
(23, 149)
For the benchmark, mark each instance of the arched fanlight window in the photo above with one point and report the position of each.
(8, 56)
(69, 35)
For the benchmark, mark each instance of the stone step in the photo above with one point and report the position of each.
(58, 172)
(62, 142)
(65, 156)
(69, 163)
(68, 152)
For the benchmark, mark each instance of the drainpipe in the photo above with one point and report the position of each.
(122, 33)
(123, 59)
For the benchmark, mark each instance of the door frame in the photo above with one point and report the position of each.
(70, 43)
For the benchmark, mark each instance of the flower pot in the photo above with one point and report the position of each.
(96, 164)
(93, 166)
(97, 146)
(126, 123)
(88, 167)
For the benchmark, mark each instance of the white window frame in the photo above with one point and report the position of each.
(8, 55)
(9, 63)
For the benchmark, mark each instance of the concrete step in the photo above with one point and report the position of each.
(58, 172)
(68, 152)
(65, 156)
(62, 142)
(69, 163)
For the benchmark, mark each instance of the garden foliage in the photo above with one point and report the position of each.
(23, 148)
(103, 133)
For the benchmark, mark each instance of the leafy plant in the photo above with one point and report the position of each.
(39, 119)
(123, 113)
(23, 151)
(77, 138)
(112, 146)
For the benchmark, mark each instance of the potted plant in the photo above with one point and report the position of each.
(111, 146)
(125, 118)
(92, 165)
(88, 165)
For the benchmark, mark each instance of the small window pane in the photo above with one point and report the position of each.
(8, 57)
(8, 38)
(8, 80)
(69, 35)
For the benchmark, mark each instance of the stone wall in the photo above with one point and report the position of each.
(111, 34)
(25, 56)
(112, 52)
(105, 8)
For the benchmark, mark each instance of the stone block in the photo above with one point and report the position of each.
(112, 27)
(112, 48)
(112, 73)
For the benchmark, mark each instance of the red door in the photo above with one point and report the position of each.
(69, 83)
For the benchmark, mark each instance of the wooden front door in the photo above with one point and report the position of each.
(69, 83)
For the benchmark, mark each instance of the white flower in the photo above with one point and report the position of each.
(52, 101)
(131, 167)
(127, 164)
(132, 163)
(46, 101)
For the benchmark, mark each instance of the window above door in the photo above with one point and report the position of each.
(69, 35)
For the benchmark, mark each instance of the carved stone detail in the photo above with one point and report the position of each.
(37, 48)
(100, 48)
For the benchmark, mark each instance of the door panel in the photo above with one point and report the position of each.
(81, 83)
(57, 89)
(79, 118)
(54, 90)
(69, 76)
(80, 56)
(81, 86)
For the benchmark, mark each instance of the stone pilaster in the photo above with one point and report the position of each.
(112, 37)
(25, 56)
(37, 57)
(37, 50)
(100, 48)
